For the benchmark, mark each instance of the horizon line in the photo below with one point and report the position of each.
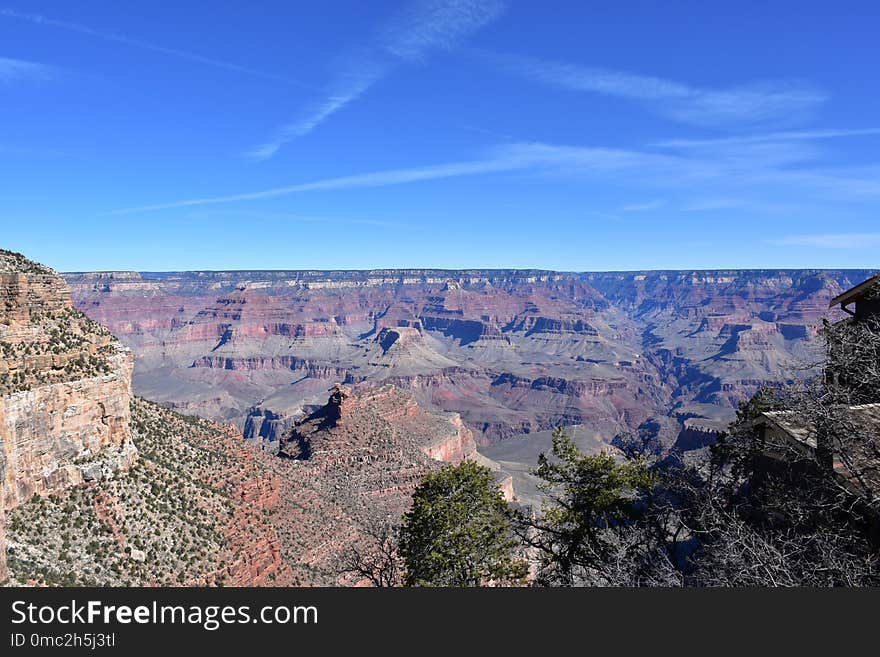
(521, 270)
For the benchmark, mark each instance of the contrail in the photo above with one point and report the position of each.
(145, 45)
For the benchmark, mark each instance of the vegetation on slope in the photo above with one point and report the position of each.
(161, 523)
(62, 345)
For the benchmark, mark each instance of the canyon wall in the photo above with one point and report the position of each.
(510, 351)
(62, 434)
(65, 387)
(3, 570)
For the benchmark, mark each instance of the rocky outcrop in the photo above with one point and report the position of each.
(375, 422)
(465, 331)
(65, 388)
(354, 461)
(28, 290)
(401, 336)
(531, 324)
(265, 426)
(62, 434)
(304, 366)
(696, 434)
(455, 446)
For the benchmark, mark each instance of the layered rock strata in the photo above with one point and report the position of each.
(65, 387)
(510, 351)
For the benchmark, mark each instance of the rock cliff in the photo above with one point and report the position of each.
(3, 570)
(65, 387)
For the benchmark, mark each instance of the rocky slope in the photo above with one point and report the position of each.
(352, 462)
(100, 488)
(196, 508)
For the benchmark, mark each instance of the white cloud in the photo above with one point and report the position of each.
(546, 159)
(346, 89)
(145, 45)
(752, 177)
(258, 215)
(802, 135)
(428, 25)
(374, 179)
(756, 103)
(714, 204)
(643, 207)
(832, 240)
(423, 27)
(17, 69)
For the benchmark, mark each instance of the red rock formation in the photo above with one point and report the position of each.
(358, 458)
(253, 544)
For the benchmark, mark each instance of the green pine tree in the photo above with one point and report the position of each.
(458, 532)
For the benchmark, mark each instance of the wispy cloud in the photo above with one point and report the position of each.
(547, 159)
(295, 218)
(145, 45)
(802, 135)
(643, 207)
(17, 69)
(345, 89)
(758, 103)
(753, 177)
(374, 179)
(424, 27)
(832, 240)
(714, 204)
(428, 25)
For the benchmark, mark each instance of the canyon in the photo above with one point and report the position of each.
(513, 352)
(294, 412)
(104, 488)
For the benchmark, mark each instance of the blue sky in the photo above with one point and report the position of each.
(427, 133)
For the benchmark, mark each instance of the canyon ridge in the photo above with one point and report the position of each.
(514, 352)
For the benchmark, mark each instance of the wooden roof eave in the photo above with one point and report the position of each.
(854, 293)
